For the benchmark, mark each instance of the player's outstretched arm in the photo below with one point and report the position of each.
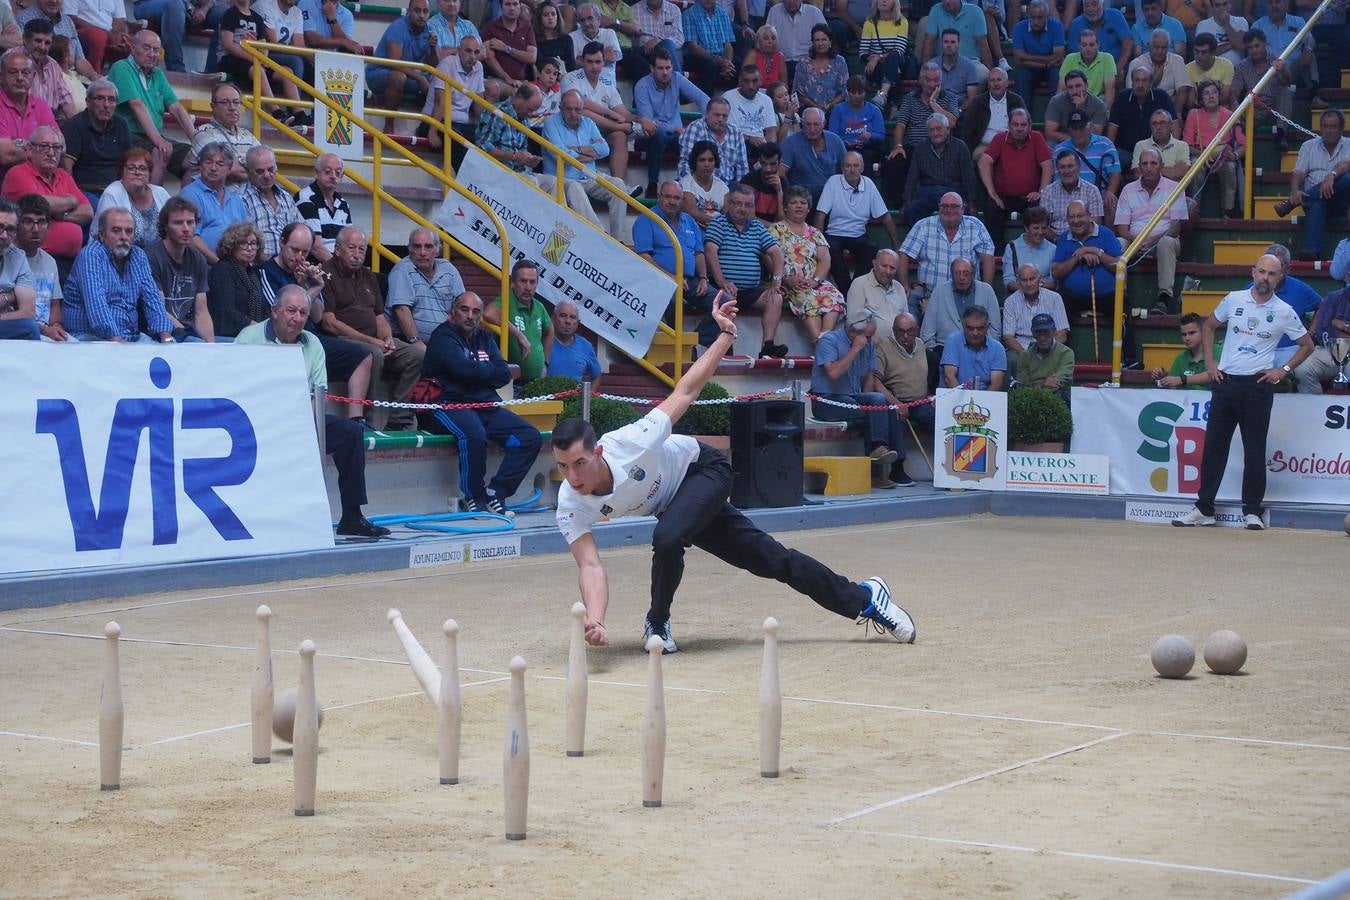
(594, 588)
(687, 388)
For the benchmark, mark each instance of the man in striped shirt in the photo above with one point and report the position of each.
(321, 205)
(734, 244)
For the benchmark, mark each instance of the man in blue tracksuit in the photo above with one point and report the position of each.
(466, 362)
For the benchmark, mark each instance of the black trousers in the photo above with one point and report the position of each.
(699, 515)
(863, 250)
(345, 442)
(1239, 402)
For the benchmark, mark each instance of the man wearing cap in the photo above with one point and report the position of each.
(845, 373)
(1031, 300)
(1099, 158)
(1046, 363)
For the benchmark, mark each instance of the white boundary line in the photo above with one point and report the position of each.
(918, 795)
(46, 737)
(1209, 870)
(1248, 740)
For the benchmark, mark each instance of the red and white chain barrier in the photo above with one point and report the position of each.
(636, 401)
(867, 407)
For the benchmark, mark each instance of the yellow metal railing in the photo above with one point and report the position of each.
(1137, 246)
(258, 51)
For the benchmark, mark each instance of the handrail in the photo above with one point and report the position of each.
(1246, 106)
(564, 159)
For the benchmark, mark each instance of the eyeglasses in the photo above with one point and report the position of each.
(143, 170)
(47, 147)
(248, 243)
(9, 229)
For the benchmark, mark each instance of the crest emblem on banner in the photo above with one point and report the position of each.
(971, 447)
(555, 248)
(339, 85)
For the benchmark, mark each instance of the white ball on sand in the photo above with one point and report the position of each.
(1173, 656)
(1225, 652)
(283, 715)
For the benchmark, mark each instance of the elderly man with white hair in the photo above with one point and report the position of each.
(939, 165)
(270, 207)
(571, 355)
(42, 174)
(1139, 200)
(934, 242)
(1167, 70)
(422, 287)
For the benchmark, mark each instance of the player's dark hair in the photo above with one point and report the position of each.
(569, 431)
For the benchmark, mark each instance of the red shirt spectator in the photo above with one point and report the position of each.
(1017, 170)
(42, 174)
(21, 112)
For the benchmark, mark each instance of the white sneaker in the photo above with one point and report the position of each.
(667, 641)
(1193, 518)
(885, 616)
(1255, 522)
(1005, 65)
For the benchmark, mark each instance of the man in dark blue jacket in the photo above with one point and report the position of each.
(467, 364)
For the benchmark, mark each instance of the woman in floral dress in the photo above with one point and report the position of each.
(806, 261)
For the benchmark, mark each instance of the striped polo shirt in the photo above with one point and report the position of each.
(738, 249)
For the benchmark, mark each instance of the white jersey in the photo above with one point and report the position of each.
(648, 464)
(751, 116)
(1253, 331)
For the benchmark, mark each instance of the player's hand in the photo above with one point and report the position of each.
(1272, 376)
(1215, 376)
(596, 635)
(724, 312)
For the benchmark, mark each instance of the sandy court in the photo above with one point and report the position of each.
(1021, 747)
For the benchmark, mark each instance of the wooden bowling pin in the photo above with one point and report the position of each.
(576, 684)
(449, 709)
(424, 670)
(262, 693)
(516, 758)
(306, 743)
(653, 726)
(110, 713)
(770, 703)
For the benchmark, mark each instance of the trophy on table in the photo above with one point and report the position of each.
(1339, 348)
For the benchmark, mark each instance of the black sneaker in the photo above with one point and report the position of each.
(902, 479)
(494, 505)
(777, 351)
(1164, 305)
(361, 527)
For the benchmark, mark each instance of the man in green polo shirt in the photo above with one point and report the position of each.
(145, 95)
(1046, 363)
(529, 321)
(1098, 68)
(1188, 369)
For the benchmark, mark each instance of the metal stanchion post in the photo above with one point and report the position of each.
(797, 389)
(586, 401)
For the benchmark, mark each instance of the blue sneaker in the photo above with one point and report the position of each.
(663, 633)
(885, 616)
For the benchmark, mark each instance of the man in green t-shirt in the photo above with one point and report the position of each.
(145, 95)
(1188, 369)
(529, 321)
(1046, 363)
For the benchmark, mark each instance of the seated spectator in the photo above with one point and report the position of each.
(807, 258)
(552, 36)
(172, 22)
(710, 44)
(960, 76)
(1153, 19)
(111, 289)
(1280, 29)
(851, 202)
(751, 110)
(1030, 301)
(658, 97)
(1226, 28)
(1332, 323)
(902, 370)
(604, 107)
(1085, 271)
(949, 302)
(463, 67)
(344, 440)
(988, 114)
(845, 373)
(354, 309)
(224, 127)
(651, 243)
(181, 272)
(549, 102)
(49, 80)
(328, 25)
(969, 21)
(270, 207)
(96, 141)
(879, 290)
(970, 359)
(1098, 68)
(133, 192)
(1046, 363)
(447, 30)
(660, 26)
(1015, 169)
(1209, 66)
(216, 204)
(234, 295)
(1176, 155)
(1110, 27)
(1202, 124)
(1320, 183)
(715, 127)
(1065, 189)
(941, 165)
(934, 242)
(766, 57)
(527, 320)
(102, 27)
(410, 39)
(1132, 113)
(767, 183)
(509, 49)
(1188, 369)
(819, 82)
(1098, 155)
(858, 124)
(1032, 247)
(588, 32)
(145, 96)
(811, 155)
(18, 299)
(21, 111)
(571, 355)
(704, 192)
(785, 108)
(322, 205)
(1167, 71)
(422, 287)
(884, 48)
(1297, 293)
(60, 54)
(736, 243)
(1138, 202)
(1277, 94)
(33, 221)
(468, 367)
(1038, 49)
(794, 22)
(1073, 98)
(42, 174)
(63, 25)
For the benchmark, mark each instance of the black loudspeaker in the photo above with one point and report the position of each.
(766, 453)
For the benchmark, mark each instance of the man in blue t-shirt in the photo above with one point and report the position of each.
(651, 242)
(969, 358)
(407, 38)
(571, 354)
(1038, 49)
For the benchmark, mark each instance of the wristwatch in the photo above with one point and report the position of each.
(1286, 368)
(20, 143)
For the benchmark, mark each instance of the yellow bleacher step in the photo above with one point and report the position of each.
(1345, 78)
(1238, 253)
(1264, 208)
(1315, 117)
(662, 351)
(1200, 302)
(1160, 356)
(1288, 160)
(844, 475)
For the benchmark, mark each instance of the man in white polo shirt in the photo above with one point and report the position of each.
(644, 470)
(1242, 391)
(852, 202)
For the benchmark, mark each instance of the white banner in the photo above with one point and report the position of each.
(131, 454)
(341, 78)
(620, 295)
(1152, 513)
(970, 439)
(1155, 439)
(1059, 473)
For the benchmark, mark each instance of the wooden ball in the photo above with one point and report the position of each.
(283, 715)
(1225, 652)
(1173, 656)
(1347, 524)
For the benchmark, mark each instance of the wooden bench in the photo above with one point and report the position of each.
(844, 475)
